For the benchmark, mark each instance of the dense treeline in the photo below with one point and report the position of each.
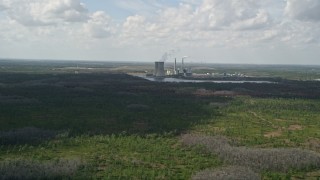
(96, 103)
(50, 100)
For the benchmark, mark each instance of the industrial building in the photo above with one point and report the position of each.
(159, 69)
(183, 71)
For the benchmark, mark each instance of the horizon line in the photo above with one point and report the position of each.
(139, 61)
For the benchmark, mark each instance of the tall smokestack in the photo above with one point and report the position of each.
(182, 64)
(175, 66)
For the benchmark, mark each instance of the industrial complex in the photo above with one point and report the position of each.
(159, 71)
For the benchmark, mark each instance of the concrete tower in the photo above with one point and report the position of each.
(159, 69)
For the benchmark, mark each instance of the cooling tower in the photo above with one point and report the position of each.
(159, 69)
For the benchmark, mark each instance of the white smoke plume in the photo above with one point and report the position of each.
(167, 55)
(164, 57)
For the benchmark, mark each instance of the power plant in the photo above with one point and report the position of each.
(183, 71)
(159, 69)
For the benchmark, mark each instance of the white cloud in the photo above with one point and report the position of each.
(133, 29)
(50, 12)
(142, 6)
(2, 7)
(211, 23)
(299, 33)
(260, 20)
(199, 26)
(305, 10)
(231, 14)
(99, 25)
(220, 23)
(4, 4)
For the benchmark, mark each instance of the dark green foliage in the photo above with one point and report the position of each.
(28, 135)
(99, 104)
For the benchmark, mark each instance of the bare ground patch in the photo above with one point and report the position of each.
(279, 131)
(295, 127)
(219, 129)
(313, 143)
(263, 119)
(272, 134)
(314, 174)
(280, 120)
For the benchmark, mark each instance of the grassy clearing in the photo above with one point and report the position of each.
(267, 122)
(114, 157)
(270, 123)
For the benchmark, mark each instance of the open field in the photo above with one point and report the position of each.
(103, 123)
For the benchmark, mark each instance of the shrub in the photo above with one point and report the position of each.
(25, 135)
(227, 173)
(29, 169)
(281, 159)
(138, 107)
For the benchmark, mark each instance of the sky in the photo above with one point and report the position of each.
(210, 31)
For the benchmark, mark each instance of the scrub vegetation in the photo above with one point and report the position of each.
(31, 169)
(101, 123)
(224, 173)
